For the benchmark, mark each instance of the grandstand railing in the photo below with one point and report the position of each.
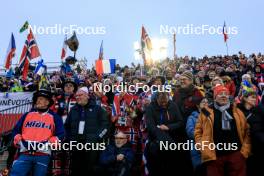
(8, 119)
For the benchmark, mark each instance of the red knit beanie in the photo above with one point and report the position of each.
(220, 88)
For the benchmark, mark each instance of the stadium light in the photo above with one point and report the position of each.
(158, 52)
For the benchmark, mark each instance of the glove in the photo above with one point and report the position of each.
(53, 140)
(17, 139)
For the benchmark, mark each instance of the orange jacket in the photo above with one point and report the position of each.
(204, 132)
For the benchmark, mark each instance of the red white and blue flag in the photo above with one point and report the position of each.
(101, 52)
(10, 52)
(116, 108)
(225, 32)
(146, 46)
(64, 48)
(29, 52)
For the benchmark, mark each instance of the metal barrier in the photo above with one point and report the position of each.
(8, 119)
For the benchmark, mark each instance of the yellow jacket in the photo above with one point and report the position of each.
(204, 132)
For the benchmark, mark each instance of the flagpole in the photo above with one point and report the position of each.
(226, 48)
(174, 45)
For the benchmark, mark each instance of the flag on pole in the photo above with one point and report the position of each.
(145, 40)
(24, 27)
(29, 52)
(225, 32)
(146, 46)
(10, 52)
(105, 66)
(116, 111)
(101, 52)
(43, 83)
(64, 48)
(41, 68)
(174, 45)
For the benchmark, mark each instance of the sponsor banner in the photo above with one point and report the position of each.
(9, 100)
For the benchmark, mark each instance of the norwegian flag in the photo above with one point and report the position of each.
(129, 99)
(146, 45)
(29, 52)
(64, 48)
(225, 32)
(131, 133)
(115, 108)
(10, 52)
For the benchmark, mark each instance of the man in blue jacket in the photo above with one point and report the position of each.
(118, 158)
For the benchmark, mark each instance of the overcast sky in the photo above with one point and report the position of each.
(118, 23)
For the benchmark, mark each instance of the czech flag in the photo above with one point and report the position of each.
(10, 52)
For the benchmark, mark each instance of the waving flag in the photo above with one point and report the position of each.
(43, 83)
(41, 68)
(105, 66)
(24, 27)
(101, 52)
(29, 52)
(10, 52)
(64, 48)
(146, 46)
(225, 32)
(116, 108)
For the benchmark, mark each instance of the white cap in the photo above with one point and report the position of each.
(119, 79)
(84, 89)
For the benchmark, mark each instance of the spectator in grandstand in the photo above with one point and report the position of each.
(118, 158)
(254, 115)
(223, 125)
(63, 103)
(40, 127)
(187, 95)
(164, 121)
(86, 123)
(190, 126)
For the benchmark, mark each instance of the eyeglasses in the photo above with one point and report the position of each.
(120, 138)
(223, 94)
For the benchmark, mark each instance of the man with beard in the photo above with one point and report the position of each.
(187, 96)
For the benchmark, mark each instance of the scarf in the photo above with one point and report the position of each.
(226, 117)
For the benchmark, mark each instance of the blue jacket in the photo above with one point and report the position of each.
(190, 127)
(109, 162)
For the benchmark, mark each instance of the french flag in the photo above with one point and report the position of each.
(10, 52)
(105, 66)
